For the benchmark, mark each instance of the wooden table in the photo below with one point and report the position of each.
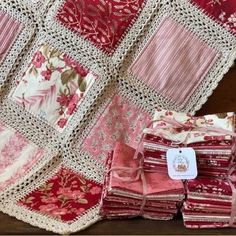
(223, 99)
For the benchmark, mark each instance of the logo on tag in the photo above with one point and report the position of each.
(181, 163)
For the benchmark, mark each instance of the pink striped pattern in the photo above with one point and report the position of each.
(174, 61)
(9, 30)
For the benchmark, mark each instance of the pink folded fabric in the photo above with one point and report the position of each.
(123, 193)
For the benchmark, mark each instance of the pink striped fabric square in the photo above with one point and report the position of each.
(174, 61)
(9, 30)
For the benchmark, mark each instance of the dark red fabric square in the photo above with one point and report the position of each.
(65, 196)
(223, 11)
(102, 22)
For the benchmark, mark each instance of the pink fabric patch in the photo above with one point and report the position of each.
(104, 23)
(9, 30)
(65, 196)
(223, 11)
(121, 121)
(174, 61)
(17, 156)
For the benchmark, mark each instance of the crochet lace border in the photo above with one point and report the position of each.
(22, 15)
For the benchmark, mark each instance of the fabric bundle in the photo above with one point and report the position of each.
(210, 136)
(129, 191)
(210, 203)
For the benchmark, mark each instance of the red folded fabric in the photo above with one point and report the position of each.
(215, 152)
(209, 203)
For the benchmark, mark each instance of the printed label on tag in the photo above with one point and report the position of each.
(181, 163)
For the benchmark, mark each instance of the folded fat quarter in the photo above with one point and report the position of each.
(129, 193)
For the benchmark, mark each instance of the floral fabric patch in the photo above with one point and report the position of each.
(17, 156)
(174, 61)
(121, 121)
(53, 86)
(9, 31)
(65, 196)
(223, 11)
(102, 22)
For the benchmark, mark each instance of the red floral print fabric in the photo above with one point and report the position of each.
(65, 196)
(223, 11)
(102, 22)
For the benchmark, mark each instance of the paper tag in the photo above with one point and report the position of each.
(181, 163)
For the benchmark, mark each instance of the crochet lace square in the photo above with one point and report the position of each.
(53, 86)
(174, 61)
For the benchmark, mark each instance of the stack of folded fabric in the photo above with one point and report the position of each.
(208, 135)
(129, 191)
(210, 203)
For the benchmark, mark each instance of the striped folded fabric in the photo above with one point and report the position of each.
(209, 204)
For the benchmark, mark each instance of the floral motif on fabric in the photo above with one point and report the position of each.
(65, 196)
(17, 156)
(121, 121)
(102, 22)
(53, 86)
(192, 129)
(223, 11)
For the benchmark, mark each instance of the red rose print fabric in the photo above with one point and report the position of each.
(65, 196)
(223, 11)
(104, 23)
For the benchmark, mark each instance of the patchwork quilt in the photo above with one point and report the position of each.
(76, 76)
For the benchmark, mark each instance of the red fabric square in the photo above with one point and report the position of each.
(65, 196)
(100, 21)
(223, 11)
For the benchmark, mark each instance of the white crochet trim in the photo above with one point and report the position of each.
(48, 155)
(88, 218)
(111, 81)
(22, 15)
(205, 28)
(38, 7)
(57, 30)
(101, 105)
(42, 162)
(32, 182)
(10, 110)
(87, 166)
